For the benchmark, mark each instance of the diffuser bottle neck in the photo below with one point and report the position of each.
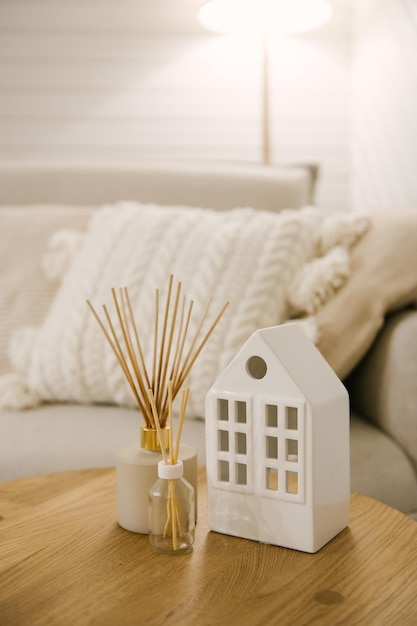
(170, 472)
(149, 439)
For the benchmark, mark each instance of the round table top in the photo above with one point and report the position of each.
(65, 560)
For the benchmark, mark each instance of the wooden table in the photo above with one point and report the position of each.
(64, 560)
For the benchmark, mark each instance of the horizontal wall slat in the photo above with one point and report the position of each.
(139, 16)
(184, 129)
(130, 46)
(37, 47)
(129, 154)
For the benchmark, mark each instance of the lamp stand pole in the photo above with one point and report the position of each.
(266, 149)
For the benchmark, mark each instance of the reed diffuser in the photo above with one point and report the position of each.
(171, 498)
(154, 385)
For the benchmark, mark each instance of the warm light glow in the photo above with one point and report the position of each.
(276, 16)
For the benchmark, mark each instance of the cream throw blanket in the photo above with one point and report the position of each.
(272, 267)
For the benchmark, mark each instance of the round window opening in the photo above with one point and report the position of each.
(256, 367)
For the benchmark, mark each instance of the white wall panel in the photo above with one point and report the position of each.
(384, 121)
(140, 79)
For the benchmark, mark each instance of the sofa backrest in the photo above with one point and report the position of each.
(209, 185)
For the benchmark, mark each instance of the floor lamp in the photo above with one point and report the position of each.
(264, 17)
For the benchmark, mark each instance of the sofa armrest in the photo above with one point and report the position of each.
(383, 387)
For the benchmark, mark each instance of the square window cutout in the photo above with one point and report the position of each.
(272, 479)
(292, 482)
(240, 443)
(240, 412)
(292, 418)
(223, 471)
(271, 447)
(222, 409)
(241, 474)
(271, 415)
(223, 440)
(292, 450)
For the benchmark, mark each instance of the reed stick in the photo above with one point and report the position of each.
(157, 425)
(170, 423)
(164, 330)
(174, 506)
(135, 330)
(155, 338)
(179, 343)
(183, 407)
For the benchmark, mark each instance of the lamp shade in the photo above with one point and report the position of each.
(283, 17)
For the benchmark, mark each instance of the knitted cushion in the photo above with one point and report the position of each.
(255, 259)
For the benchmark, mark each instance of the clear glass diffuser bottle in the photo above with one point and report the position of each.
(171, 510)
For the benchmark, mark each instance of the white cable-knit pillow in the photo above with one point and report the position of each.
(249, 257)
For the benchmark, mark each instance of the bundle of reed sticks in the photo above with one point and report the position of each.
(171, 361)
(174, 525)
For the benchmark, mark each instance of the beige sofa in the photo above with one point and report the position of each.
(370, 341)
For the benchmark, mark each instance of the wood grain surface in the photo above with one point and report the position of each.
(64, 560)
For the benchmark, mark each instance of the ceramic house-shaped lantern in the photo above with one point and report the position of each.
(277, 439)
